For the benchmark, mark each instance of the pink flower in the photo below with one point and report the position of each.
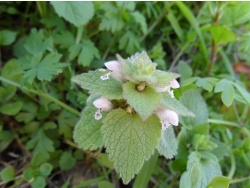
(173, 84)
(115, 70)
(102, 104)
(167, 117)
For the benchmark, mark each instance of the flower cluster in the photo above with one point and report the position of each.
(167, 117)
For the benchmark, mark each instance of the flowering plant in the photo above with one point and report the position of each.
(130, 111)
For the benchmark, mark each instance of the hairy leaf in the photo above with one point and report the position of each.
(144, 102)
(193, 100)
(201, 169)
(168, 143)
(175, 105)
(87, 133)
(129, 141)
(91, 81)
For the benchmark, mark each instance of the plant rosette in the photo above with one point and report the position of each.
(130, 111)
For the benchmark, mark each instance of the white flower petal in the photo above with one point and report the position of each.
(172, 117)
(174, 84)
(103, 103)
(113, 65)
(162, 89)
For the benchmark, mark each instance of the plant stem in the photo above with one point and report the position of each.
(222, 122)
(79, 34)
(213, 46)
(233, 165)
(25, 89)
(239, 180)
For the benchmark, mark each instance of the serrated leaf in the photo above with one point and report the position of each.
(140, 19)
(42, 146)
(201, 169)
(87, 133)
(168, 144)
(219, 182)
(175, 105)
(129, 141)
(7, 37)
(227, 90)
(144, 102)
(91, 81)
(43, 69)
(130, 42)
(88, 53)
(193, 100)
(164, 78)
(77, 13)
(111, 21)
(37, 43)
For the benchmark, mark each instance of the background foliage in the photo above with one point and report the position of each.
(44, 44)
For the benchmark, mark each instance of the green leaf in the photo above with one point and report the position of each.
(66, 121)
(7, 37)
(91, 81)
(67, 161)
(11, 71)
(130, 42)
(43, 69)
(206, 83)
(235, 13)
(201, 169)
(146, 172)
(219, 182)
(111, 21)
(185, 70)
(88, 53)
(227, 90)
(11, 108)
(42, 146)
(144, 102)
(140, 19)
(7, 174)
(105, 184)
(77, 13)
(193, 100)
(175, 24)
(46, 169)
(39, 182)
(175, 105)
(129, 141)
(65, 39)
(222, 34)
(164, 78)
(37, 43)
(243, 92)
(168, 143)
(87, 133)
(29, 113)
(187, 13)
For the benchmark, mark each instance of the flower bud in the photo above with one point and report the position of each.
(174, 84)
(103, 103)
